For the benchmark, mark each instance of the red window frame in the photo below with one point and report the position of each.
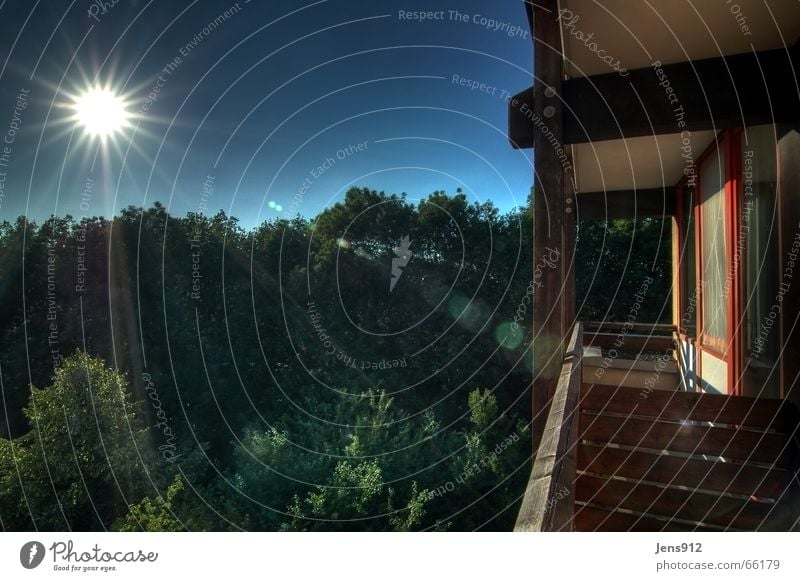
(727, 348)
(717, 346)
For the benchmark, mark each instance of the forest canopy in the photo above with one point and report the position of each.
(367, 369)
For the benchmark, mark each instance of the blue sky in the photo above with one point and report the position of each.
(272, 100)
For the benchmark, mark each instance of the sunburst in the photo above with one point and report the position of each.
(101, 113)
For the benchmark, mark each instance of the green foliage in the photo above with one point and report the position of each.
(86, 450)
(378, 425)
(483, 408)
(154, 515)
(613, 262)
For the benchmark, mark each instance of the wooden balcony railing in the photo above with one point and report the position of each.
(614, 457)
(548, 504)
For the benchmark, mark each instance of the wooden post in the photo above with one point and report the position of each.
(548, 210)
(789, 208)
(569, 317)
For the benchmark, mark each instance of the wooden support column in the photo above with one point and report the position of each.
(548, 210)
(570, 236)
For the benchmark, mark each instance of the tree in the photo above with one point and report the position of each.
(86, 454)
(613, 260)
(357, 411)
(155, 515)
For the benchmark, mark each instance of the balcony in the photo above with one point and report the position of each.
(631, 451)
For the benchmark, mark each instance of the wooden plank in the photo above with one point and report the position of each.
(635, 328)
(630, 342)
(694, 472)
(593, 518)
(547, 504)
(642, 203)
(715, 93)
(681, 405)
(641, 368)
(746, 446)
(575, 343)
(725, 511)
(520, 129)
(633, 376)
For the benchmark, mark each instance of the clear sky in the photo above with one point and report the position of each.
(271, 99)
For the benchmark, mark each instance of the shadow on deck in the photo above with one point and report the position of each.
(622, 458)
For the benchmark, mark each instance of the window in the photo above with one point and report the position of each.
(759, 215)
(713, 251)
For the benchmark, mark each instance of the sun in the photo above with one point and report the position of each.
(101, 112)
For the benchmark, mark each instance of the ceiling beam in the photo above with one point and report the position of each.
(716, 93)
(627, 204)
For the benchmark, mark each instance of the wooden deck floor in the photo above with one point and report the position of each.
(672, 460)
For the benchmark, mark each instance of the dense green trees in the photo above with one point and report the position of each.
(272, 379)
(613, 261)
